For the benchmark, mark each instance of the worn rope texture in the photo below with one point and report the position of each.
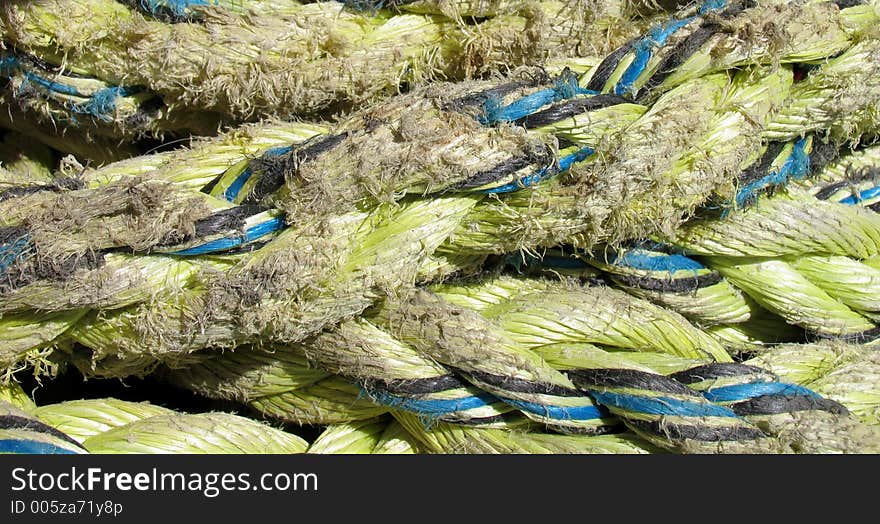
(112, 426)
(101, 67)
(116, 426)
(88, 147)
(24, 162)
(575, 359)
(49, 95)
(611, 152)
(346, 244)
(808, 253)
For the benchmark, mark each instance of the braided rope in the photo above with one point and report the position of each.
(90, 148)
(843, 372)
(481, 439)
(710, 291)
(648, 122)
(797, 416)
(103, 425)
(656, 272)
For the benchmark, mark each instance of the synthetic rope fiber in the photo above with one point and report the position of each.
(298, 247)
(184, 67)
(797, 418)
(117, 426)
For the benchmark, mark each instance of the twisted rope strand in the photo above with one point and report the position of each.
(294, 247)
(115, 426)
(223, 64)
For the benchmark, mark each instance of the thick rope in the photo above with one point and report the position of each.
(834, 287)
(818, 275)
(843, 372)
(294, 209)
(187, 77)
(458, 236)
(116, 426)
(85, 420)
(345, 235)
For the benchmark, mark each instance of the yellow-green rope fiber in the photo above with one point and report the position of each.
(320, 273)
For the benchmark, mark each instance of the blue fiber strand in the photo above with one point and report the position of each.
(9, 253)
(863, 195)
(565, 164)
(100, 104)
(565, 87)
(647, 261)
(103, 102)
(660, 405)
(52, 86)
(432, 407)
(558, 412)
(31, 447)
(526, 181)
(644, 50)
(277, 151)
(712, 5)
(222, 244)
(757, 389)
(518, 108)
(177, 7)
(232, 191)
(796, 166)
(579, 156)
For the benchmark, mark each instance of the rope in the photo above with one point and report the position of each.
(107, 425)
(818, 276)
(306, 237)
(807, 275)
(116, 426)
(613, 391)
(797, 416)
(267, 223)
(470, 226)
(451, 368)
(188, 77)
(842, 372)
(55, 97)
